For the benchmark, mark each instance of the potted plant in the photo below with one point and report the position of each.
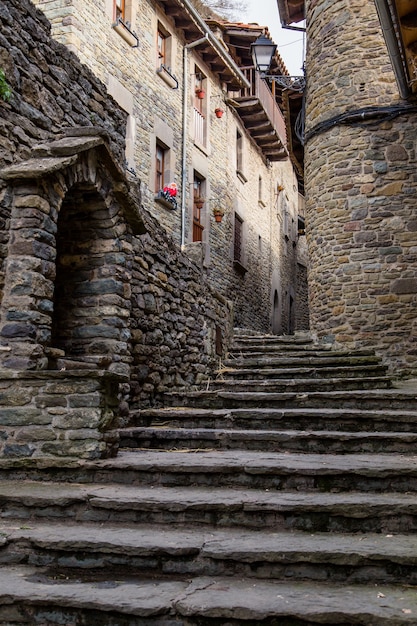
(200, 93)
(218, 214)
(199, 202)
(219, 112)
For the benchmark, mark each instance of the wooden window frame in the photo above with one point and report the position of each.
(119, 10)
(160, 162)
(198, 192)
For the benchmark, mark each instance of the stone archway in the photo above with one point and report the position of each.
(65, 310)
(91, 306)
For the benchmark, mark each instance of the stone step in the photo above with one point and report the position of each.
(319, 442)
(311, 372)
(376, 399)
(25, 593)
(168, 551)
(251, 349)
(244, 469)
(277, 385)
(282, 360)
(222, 507)
(306, 419)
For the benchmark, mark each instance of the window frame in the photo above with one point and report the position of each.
(239, 244)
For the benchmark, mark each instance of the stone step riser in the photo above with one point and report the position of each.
(25, 613)
(289, 400)
(314, 519)
(311, 351)
(291, 420)
(302, 372)
(270, 442)
(353, 568)
(307, 481)
(301, 360)
(299, 384)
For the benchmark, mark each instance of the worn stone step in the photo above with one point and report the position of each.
(241, 468)
(250, 508)
(26, 592)
(319, 442)
(338, 372)
(284, 360)
(307, 419)
(163, 551)
(261, 349)
(277, 385)
(378, 399)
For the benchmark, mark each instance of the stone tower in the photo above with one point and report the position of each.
(361, 179)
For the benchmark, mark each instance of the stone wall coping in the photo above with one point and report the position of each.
(6, 374)
(36, 168)
(67, 146)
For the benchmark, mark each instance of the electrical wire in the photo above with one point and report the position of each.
(369, 116)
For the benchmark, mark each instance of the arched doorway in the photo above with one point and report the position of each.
(276, 315)
(90, 310)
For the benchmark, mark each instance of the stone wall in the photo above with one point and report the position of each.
(361, 187)
(51, 89)
(100, 311)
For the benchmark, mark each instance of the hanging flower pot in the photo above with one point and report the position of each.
(219, 112)
(199, 202)
(200, 93)
(218, 214)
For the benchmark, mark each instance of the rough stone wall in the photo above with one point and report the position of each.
(180, 327)
(51, 89)
(361, 187)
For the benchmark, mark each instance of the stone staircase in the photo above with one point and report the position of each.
(283, 493)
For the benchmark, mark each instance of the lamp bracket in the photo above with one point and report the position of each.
(295, 83)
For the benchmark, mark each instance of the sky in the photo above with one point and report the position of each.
(290, 42)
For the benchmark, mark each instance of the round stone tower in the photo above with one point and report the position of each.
(361, 186)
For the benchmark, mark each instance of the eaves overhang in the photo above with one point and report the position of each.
(213, 52)
(291, 11)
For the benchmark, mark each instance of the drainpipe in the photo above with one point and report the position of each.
(395, 50)
(187, 47)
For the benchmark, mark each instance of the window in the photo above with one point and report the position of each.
(159, 167)
(119, 10)
(198, 207)
(164, 56)
(239, 156)
(260, 192)
(200, 107)
(161, 47)
(238, 240)
(238, 246)
(123, 16)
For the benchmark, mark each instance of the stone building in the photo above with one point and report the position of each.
(360, 173)
(153, 56)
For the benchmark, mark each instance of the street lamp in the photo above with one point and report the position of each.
(262, 51)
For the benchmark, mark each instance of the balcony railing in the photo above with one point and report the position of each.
(262, 116)
(199, 127)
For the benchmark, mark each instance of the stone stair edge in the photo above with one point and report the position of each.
(219, 598)
(225, 461)
(248, 545)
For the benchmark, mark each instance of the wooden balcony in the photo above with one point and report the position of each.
(261, 116)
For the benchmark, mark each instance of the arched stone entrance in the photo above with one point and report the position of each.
(65, 309)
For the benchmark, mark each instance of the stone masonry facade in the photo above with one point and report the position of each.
(154, 105)
(99, 309)
(361, 181)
